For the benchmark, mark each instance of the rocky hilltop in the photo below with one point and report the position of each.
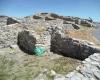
(63, 42)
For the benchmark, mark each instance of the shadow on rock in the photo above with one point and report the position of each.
(71, 48)
(26, 42)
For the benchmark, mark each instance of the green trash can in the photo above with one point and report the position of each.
(39, 51)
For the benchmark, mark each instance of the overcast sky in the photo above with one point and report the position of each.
(79, 8)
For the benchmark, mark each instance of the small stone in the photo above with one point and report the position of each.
(59, 77)
(90, 79)
(74, 77)
(95, 63)
(70, 74)
(53, 73)
(97, 74)
(39, 77)
(44, 71)
(13, 46)
(88, 59)
(96, 58)
(97, 54)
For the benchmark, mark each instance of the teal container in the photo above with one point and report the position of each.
(39, 51)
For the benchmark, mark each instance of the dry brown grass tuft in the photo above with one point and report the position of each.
(40, 29)
(83, 35)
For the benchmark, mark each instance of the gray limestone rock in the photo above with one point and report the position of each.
(36, 17)
(59, 77)
(87, 70)
(8, 35)
(5, 20)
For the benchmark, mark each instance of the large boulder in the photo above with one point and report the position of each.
(87, 23)
(26, 42)
(71, 47)
(54, 15)
(68, 27)
(11, 21)
(8, 34)
(76, 26)
(67, 18)
(49, 18)
(5, 20)
(78, 21)
(37, 17)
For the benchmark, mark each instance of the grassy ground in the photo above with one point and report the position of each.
(83, 35)
(16, 65)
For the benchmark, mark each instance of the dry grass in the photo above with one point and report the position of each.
(11, 67)
(83, 35)
(64, 65)
(40, 29)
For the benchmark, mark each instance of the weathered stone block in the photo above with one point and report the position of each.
(69, 47)
(26, 42)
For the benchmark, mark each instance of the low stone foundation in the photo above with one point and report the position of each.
(58, 43)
